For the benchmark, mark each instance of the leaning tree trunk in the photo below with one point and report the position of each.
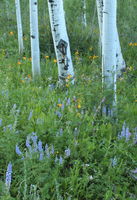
(109, 47)
(19, 26)
(35, 51)
(120, 61)
(60, 39)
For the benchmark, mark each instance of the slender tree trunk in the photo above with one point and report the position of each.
(7, 9)
(60, 39)
(35, 51)
(100, 18)
(109, 47)
(84, 17)
(19, 26)
(120, 61)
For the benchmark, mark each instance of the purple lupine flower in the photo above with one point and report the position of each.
(10, 126)
(30, 115)
(34, 139)
(125, 132)
(0, 122)
(46, 147)
(68, 102)
(58, 114)
(18, 151)
(134, 171)
(114, 162)
(40, 150)
(28, 144)
(40, 146)
(56, 159)
(62, 107)
(52, 149)
(60, 131)
(60, 160)
(8, 175)
(67, 152)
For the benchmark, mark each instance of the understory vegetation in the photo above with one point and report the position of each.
(54, 141)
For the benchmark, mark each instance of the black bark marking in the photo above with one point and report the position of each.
(32, 36)
(62, 47)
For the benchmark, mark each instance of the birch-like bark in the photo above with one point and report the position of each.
(34, 33)
(19, 26)
(109, 47)
(120, 61)
(84, 18)
(100, 18)
(7, 9)
(61, 40)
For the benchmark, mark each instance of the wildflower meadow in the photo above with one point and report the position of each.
(56, 143)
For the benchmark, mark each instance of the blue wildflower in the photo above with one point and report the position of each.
(67, 152)
(60, 160)
(0, 122)
(8, 175)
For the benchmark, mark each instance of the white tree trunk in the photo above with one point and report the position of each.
(60, 39)
(35, 50)
(19, 26)
(120, 61)
(100, 17)
(109, 47)
(84, 18)
(7, 9)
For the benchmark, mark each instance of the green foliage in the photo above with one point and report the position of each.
(99, 163)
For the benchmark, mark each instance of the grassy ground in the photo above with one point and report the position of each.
(83, 155)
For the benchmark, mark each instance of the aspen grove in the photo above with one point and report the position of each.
(68, 100)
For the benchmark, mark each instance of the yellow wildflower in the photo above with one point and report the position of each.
(24, 58)
(19, 63)
(30, 59)
(11, 33)
(69, 76)
(78, 106)
(59, 105)
(46, 57)
(130, 44)
(55, 61)
(94, 57)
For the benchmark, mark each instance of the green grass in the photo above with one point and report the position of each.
(99, 166)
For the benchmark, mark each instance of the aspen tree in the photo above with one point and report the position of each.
(19, 26)
(61, 40)
(84, 18)
(109, 41)
(34, 34)
(120, 61)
